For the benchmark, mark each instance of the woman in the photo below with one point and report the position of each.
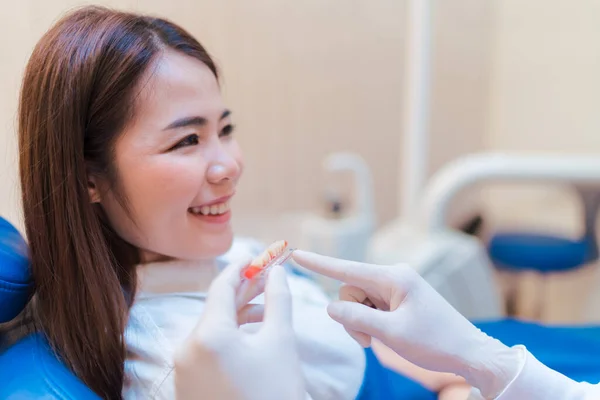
(128, 164)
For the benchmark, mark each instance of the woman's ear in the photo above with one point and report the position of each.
(93, 190)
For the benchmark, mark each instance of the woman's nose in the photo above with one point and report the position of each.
(224, 168)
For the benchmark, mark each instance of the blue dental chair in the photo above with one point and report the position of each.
(546, 254)
(29, 369)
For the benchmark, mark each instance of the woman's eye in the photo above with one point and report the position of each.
(190, 140)
(227, 130)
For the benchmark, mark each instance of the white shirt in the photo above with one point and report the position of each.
(166, 310)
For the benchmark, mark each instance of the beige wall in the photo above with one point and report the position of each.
(13, 25)
(308, 77)
(545, 96)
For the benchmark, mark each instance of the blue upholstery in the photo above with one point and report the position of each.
(542, 253)
(380, 382)
(15, 279)
(29, 369)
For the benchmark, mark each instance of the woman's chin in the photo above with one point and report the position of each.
(214, 245)
(202, 247)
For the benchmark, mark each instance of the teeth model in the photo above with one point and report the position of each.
(260, 263)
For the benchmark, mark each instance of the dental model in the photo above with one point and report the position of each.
(276, 254)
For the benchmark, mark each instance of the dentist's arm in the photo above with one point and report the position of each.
(411, 318)
(220, 361)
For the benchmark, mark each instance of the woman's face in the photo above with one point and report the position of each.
(177, 165)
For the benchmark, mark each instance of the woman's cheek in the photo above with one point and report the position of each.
(165, 189)
(238, 156)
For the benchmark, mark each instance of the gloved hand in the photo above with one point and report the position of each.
(221, 361)
(396, 306)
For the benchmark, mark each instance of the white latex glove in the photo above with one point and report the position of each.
(221, 361)
(415, 321)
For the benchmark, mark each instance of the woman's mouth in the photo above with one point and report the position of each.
(215, 213)
(215, 209)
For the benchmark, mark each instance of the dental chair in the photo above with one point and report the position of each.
(29, 369)
(528, 259)
(523, 257)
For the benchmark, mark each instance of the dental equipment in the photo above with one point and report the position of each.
(457, 265)
(276, 254)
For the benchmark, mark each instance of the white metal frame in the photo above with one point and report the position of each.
(498, 167)
(417, 82)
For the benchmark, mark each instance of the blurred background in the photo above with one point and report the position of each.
(308, 79)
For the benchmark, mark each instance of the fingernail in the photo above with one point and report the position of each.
(297, 252)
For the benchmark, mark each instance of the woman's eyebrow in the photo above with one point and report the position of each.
(225, 114)
(193, 121)
(187, 121)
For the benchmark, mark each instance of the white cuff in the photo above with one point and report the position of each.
(535, 381)
(524, 355)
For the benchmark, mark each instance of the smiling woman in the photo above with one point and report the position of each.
(192, 164)
(128, 163)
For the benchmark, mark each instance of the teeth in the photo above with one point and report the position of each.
(272, 252)
(215, 209)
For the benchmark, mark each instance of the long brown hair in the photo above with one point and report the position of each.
(78, 95)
